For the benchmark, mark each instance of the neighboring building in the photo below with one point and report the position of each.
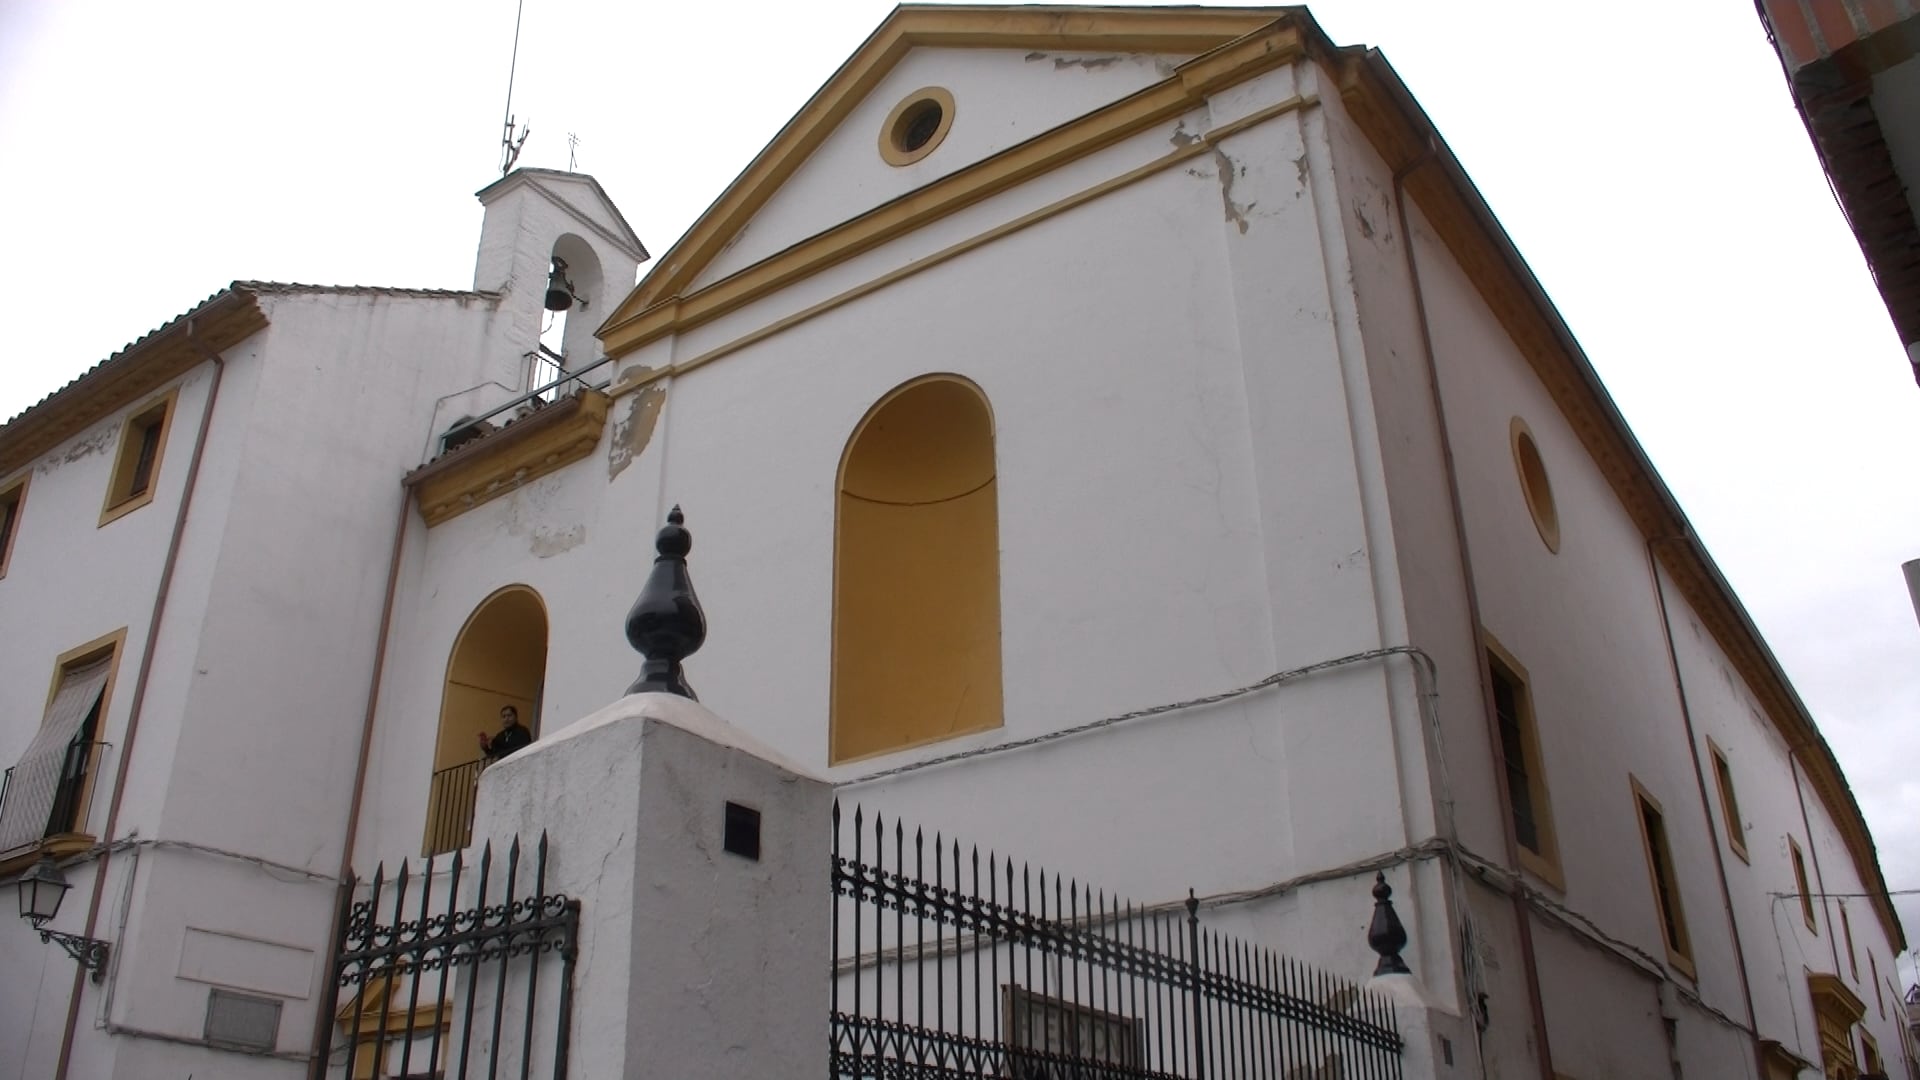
(1051, 365)
(1854, 69)
(198, 538)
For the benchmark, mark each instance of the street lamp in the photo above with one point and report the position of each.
(41, 890)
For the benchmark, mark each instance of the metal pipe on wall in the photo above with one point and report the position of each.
(140, 681)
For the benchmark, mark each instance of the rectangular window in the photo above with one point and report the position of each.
(1729, 802)
(1520, 760)
(1879, 994)
(136, 467)
(1870, 1051)
(12, 498)
(1046, 1033)
(1800, 884)
(1666, 886)
(1846, 936)
(48, 790)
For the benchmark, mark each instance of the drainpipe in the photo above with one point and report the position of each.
(140, 682)
(1706, 805)
(1523, 919)
(323, 1013)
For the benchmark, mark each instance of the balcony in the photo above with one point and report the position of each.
(547, 428)
(44, 801)
(450, 807)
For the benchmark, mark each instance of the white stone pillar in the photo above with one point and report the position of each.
(695, 963)
(1439, 1044)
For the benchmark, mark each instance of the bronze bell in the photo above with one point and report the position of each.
(559, 289)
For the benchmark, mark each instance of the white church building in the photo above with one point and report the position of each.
(1053, 373)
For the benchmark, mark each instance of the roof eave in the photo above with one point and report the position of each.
(222, 321)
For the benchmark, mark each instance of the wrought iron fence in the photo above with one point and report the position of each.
(951, 964)
(450, 806)
(426, 965)
(45, 795)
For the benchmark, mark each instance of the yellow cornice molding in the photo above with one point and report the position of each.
(224, 321)
(636, 377)
(1166, 31)
(551, 439)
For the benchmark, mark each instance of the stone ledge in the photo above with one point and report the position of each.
(550, 439)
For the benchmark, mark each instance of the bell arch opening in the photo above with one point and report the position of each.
(916, 612)
(498, 661)
(569, 334)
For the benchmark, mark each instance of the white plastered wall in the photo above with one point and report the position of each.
(70, 581)
(1157, 543)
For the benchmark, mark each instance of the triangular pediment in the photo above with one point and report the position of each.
(1098, 53)
(580, 195)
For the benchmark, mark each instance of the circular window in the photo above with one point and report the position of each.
(1534, 485)
(916, 126)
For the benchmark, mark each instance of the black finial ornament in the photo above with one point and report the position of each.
(666, 624)
(1385, 934)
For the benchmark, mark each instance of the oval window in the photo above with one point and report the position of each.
(1534, 485)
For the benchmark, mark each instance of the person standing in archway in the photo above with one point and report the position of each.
(512, 736)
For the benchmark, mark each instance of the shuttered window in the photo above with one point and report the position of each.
(43, 789)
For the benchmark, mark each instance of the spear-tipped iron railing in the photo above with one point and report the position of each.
(951, 962)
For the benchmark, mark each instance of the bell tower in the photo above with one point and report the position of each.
(559, 253)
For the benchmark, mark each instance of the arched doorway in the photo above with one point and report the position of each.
(498, 659)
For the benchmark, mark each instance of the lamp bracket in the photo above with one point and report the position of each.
(90, 952)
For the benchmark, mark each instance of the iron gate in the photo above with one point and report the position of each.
(434, 982)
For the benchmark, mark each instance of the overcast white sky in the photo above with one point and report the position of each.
(1652, 169)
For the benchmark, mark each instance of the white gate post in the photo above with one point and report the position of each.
(699, 859)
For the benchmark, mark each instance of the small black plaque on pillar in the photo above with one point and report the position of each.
(743, 831)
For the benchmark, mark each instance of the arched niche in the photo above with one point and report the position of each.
(499, 658)
(570, 333)
(916, 626)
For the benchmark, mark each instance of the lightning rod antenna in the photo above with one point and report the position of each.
(509, 143)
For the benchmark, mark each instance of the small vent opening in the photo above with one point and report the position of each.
(242, 1021)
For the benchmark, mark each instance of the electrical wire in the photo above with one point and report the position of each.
(1269, 682)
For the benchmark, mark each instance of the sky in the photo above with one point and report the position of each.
(1654, 173)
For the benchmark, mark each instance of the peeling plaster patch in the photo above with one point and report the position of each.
(548, 542)
(1036, 55)
(85, 448)
(1300, 166)
(632, 432)
(1365, 223)
(1229, 171)
(1181, 137)
(1085, 63)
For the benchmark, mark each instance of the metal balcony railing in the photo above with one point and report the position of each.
(551, 381)
(450, 806)
(46, 795)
